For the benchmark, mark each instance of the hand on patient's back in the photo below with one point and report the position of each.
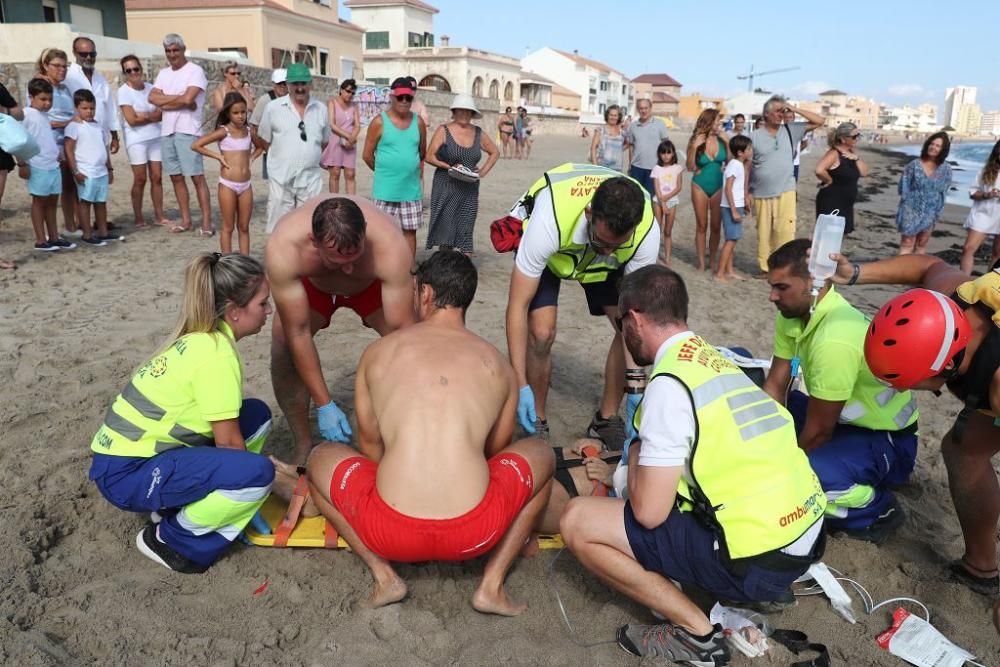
(526, 408)
(333, 424)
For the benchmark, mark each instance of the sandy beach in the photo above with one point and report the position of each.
(75, 590)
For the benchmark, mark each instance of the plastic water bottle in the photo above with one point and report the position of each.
(827, 238)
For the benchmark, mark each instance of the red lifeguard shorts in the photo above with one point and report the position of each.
(363, 303)
(406, 539)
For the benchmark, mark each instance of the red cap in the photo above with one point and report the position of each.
(401, 86)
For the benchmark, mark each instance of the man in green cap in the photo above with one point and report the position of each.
(296, 128)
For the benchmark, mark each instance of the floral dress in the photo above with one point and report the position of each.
(921, 197)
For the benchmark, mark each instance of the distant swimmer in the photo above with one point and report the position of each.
(720, 497)
(180, 441)
(860, 436)
(437, 478)
(591, 225)
(336, 251)
(946, 333)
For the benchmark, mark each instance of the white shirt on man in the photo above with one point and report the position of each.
(667, 431)
(541, 240)
(37, 125)
(91, 150)
(139, 101)
(291, 160)
(106, 113)
(172, 81)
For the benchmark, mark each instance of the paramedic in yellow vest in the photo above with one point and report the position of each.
(592, 225)
(947, 334)
(180, 442)
(860, 435)
(719, 494)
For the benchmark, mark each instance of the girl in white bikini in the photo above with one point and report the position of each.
(235, 193)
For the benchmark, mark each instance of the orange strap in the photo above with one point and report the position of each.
(591, 452)
(330, 536)
(291, 518)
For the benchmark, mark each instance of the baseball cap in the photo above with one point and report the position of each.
(279, 76)
(402, 86)
(298, 72)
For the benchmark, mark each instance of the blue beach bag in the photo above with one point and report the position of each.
(14, 139)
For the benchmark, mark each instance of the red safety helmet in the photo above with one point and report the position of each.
(914, 336)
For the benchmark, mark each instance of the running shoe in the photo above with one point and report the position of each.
(675, 643)
(149, 544)
(785, 601)
(45, 246)
(880, 530)
(63, 244)
(542, 429)
(610, 431)
(93, 241)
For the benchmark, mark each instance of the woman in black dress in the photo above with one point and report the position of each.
(838, 172)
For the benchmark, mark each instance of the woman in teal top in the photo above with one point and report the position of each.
(706, 158)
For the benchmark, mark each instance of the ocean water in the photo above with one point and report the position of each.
(967, 160)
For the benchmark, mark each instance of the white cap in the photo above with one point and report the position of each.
(279, 76)
(464, 101)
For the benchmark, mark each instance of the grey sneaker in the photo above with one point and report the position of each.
(610, 431)
(542, 429)
(675, 643)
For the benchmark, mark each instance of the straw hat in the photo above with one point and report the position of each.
(463, 101)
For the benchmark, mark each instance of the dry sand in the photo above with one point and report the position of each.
(76, 591)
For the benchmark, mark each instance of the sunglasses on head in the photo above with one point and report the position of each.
(404, 98)
(133, 70)
(302, 130)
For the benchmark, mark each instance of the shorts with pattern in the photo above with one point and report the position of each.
(409, 213)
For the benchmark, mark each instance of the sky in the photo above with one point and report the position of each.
(894, 51)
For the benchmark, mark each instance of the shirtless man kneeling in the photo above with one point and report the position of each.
(333, 252)
(438, 478)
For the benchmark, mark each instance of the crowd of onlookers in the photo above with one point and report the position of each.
(736, 173)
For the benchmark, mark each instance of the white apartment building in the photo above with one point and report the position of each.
(912, 119)
(954, 98)
(990, 124)
(597, 84)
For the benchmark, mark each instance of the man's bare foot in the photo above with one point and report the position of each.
(721, 278)
(388, 592)
(7, 265)
(496, 602)
(736, 276)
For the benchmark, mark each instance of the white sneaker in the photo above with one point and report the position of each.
(78, 234)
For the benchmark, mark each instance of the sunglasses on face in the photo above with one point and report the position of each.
(87, 54)
(302, 130)
(404, 98)
(133, 70)
(237, 73)
(349, 91)
(855, 136)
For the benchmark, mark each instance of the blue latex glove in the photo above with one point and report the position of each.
(631, 404)
(333, 424)
(526, 408)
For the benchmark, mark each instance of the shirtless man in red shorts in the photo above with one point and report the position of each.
(438, 477)
(334, 252)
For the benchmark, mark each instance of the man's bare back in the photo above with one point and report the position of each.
(443, 401)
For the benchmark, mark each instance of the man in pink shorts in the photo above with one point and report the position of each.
(438, 477)
(332, 252)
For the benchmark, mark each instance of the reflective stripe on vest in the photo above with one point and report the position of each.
(572, 188)
(752, 483)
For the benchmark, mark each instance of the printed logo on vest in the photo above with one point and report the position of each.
(810, 506)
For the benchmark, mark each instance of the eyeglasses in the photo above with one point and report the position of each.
(404, 98)
(599, 244)
(302, 130)
(87, 54)
(57, 66)
(621, 318)
(133, 70)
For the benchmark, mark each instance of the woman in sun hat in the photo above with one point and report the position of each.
(455, 151)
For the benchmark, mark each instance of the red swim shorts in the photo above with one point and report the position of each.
(363, 303)
(406, 539)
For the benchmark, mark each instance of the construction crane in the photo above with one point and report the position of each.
(749, 76)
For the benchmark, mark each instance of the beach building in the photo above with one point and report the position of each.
(399, 40)
(954, 98)
(267, 33)
(906, 118)
(663, 90)
(597, 85)
(542, 95)
(839, 107)
(990, 124)
(94, 17)
(969, 118)
(691, 105)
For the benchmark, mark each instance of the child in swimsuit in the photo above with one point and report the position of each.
(235, 193)
(668, 179)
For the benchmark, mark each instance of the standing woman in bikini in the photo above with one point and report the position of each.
(506, 127)
(706, 156)
(235, 193)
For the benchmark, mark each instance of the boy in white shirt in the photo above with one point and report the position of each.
(88, 159)
(42, 171)
(735, 204)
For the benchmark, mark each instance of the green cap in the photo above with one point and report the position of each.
(298, 72)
